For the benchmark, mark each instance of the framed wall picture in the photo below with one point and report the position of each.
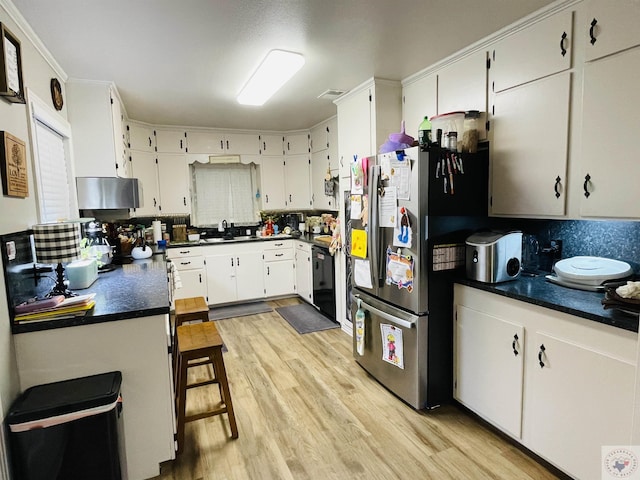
(11, 86)
(13, 163)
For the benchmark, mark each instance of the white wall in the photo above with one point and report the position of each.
(20, 213)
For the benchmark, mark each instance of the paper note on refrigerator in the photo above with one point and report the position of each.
(359, 243)
(392, 345)
(356, 207)
(388, 208)
(397, 172)
(362, 273)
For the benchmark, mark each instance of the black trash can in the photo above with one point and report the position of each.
(68, 430)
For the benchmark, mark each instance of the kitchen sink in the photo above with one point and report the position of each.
(223, 240)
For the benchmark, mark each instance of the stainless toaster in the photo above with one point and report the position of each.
(493, 257)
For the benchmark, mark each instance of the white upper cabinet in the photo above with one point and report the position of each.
(320, 162)
(296, 144)
(529, 150)
(145, 169)
(609, 166)
(271, 144)
(534, 52)
(297, 182)
(419, 100)
(205, 141)
(272, 183)
(96, 118)
(171, 141)
(462, 85)
(366, 117)
(611, 27)
(142, 137)
(242, 143)
(222, 143)
(173, 183)
(324, 138)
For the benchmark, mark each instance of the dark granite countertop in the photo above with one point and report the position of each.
(307, 237)
(539, 291)
(136, 289)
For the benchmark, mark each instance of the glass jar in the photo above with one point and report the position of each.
(470, 132)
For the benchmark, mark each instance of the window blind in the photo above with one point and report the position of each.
(222, 192)
(54, 191)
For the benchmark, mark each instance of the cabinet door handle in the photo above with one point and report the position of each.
(155, 204)
(227, 144)
(238, 261)
(587, 179)
(184, 200)
(592, 29)
(180, 144)
(200, 277)
(556, 187)
(540, 353)
(289, 198)
(266, 197)
(185, 263)
(563, 39)
(268, 271)
(221, 145)
(514, 343)
(184, 252)
(264, 146)
(279, 254)
(288, 146)
(149, 141)
(232, 261)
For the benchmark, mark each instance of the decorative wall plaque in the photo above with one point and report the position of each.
(13, 162)
(11, 87)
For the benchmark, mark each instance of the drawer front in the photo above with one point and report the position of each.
(278, 245)
(276, 255)
(303, 247)
(188, 263)
(180, 252)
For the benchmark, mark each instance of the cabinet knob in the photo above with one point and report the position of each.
(540, 354)
(585, 185)
(592, 29)
(563, 39)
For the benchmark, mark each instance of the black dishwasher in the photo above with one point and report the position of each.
(324, 296)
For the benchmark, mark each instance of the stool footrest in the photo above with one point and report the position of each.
(209, 413)
(203, 383)
(208, 361)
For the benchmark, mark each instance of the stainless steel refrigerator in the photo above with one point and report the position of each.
(407, 242)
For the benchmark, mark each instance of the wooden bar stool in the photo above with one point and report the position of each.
(188, 310)
(195, 341)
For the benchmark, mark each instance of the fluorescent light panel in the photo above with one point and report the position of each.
(275, 70)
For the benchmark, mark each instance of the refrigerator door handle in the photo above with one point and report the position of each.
(372, 237)
(398, 321)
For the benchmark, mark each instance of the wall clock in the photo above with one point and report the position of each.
(56, 94)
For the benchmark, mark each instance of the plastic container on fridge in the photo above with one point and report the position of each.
(69, 430)
(447, 122)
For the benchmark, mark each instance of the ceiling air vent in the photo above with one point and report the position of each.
(331, 94)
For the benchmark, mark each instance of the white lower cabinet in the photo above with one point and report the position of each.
(279, 277)
(304, 274)
(569, 384)
(234, 273)
(189, 263)
(489, 351)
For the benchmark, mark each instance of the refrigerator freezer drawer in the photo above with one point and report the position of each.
(395, 344)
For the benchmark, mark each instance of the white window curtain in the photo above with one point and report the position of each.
(222, 192)
(53, 175)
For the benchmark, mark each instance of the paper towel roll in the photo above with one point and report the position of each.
(157, 231)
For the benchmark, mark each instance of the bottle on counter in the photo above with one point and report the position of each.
(424, 133)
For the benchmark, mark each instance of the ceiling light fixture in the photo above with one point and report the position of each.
(274, 71)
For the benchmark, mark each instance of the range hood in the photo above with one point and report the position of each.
(103, 193)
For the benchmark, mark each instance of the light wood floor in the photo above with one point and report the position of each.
(306, 410)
